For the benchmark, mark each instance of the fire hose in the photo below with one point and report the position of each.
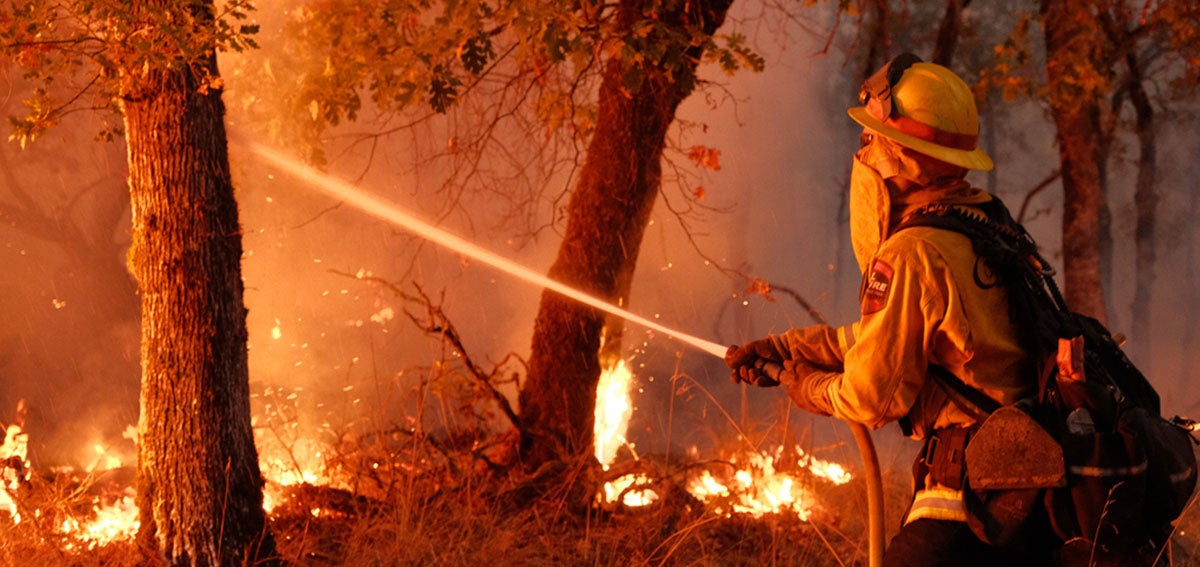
(873, 478)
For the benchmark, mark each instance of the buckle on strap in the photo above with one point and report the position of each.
(945, 456)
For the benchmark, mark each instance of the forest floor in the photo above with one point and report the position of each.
(551, 517)
(548, 518)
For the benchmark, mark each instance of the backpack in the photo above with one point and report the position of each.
(1124, 474)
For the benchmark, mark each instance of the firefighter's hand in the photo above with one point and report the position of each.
(749, 363)
(757, 375)
(745, 355)
(796, 371)
(807, 385)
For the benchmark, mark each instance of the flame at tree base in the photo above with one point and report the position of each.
(758, 484)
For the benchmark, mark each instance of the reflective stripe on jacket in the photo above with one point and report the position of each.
(937, 503)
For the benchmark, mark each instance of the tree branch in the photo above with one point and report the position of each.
(437, 323)
(1054, 175)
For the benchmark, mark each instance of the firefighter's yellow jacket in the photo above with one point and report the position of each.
(920, 305)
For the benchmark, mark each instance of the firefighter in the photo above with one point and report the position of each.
(925, 300)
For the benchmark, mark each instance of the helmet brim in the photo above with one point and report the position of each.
(970, 159)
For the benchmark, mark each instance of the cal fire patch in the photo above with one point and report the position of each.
(876, 287)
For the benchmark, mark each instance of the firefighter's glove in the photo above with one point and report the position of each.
(755, 362)
(807, 385)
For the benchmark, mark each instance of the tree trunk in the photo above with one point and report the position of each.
(199, 488)
(948, 31)
(1145, 199)
(607, 217)
(1072, 52)
(880, 44)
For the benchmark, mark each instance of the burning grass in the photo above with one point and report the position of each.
(549, 518)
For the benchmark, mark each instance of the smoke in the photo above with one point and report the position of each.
(69, 347)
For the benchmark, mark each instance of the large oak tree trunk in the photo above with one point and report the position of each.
(607, 217)
(1072, 51)
(199, 484)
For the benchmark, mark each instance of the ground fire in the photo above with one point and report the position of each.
(759, 482)
(109, 515)
(755, 483)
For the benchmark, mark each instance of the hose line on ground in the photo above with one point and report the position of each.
(873, 478)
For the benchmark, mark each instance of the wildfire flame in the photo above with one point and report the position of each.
(757, 487)
(117, 521)
(113, 514)
(614, 408)
(759, 484)
(111, 519)
(14, 468)
(280, 472)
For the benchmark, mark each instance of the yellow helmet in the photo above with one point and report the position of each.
(926, 107)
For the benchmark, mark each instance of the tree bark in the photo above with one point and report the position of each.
(948, 32)
(607, 217)
(198, 480)
(1072, 46)
(880, 44)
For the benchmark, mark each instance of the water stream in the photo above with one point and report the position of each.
(390, 212)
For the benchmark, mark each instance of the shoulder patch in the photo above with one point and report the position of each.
(876, 287)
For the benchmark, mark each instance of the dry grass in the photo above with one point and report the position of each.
(488, 526)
